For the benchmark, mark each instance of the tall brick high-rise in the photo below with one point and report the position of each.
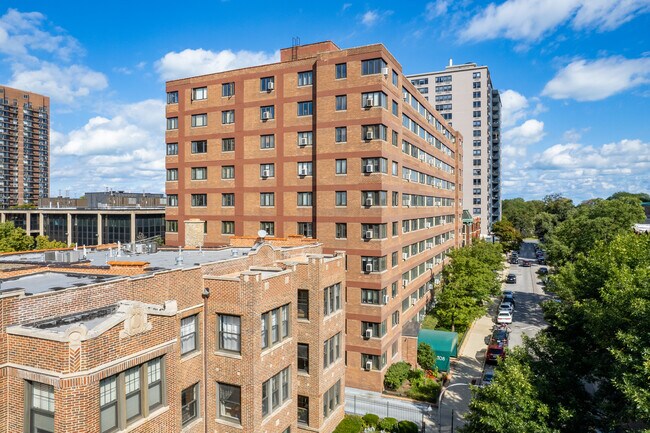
(24, 147)
(335, 144)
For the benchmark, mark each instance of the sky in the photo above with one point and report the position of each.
(574, 76)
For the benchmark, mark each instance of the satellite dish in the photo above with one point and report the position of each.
(262, 234)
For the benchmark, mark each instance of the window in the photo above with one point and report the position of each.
(190, 404)
(341, 230)
(332, 299)
(277, 322)
(267, 141)
(377, 362)
(374, 132)
(267, 112)
(227, 89)
(374, 165)
(172, 97)
(331, 399)
(476, 114)
(200, 146)
(476, 181)
(188, 333)
(305, 108)
(476, 201)
(370, 296)
(476, 172)
(395, 108)
(341, 134)
(443, 79)
(395, 318)
(228, 144)
(476, 152)
(172, 200)
(266, 84)
(332, 350)
(267, 199)
(394, 259)
(303, 304)
(229, 402)
(395, 172)
(199, 120)
(268, 227)
(41, 411)
(172, 123)
(230, 333)
(476, 191)
(393, 289)
(227, 117)
(395, 138)
(476, 133)
(199, 93)
(172, 148)
(341, 166)
(121, 405)
(373, 198)
(227, 199)
(476, 75)
(341, 102)
(172, 174)
(227, 227)
(373, 264)
(476, 94)
(341, 198)
(395, 78)
(476, 84)
(477, 211)
(305, 78)
(378, 330)
(476, 162)
(476, 104)
(171, 226)
(267, 170)
(303, 357)
(303, 408)
(304, 198)
(306, 229)
(372, 66)
(199, 173)
(305, 168)
(341, 70)
(378, 231)
(277, 388)
(374, 99)
(477, 143)
(228, 172)
(305, 138)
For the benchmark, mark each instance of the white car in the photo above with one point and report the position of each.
(504, 317)
(506, 306)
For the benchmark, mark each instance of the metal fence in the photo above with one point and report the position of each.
(387, 408)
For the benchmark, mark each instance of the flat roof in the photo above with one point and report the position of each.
(168, 259)
(48, 281)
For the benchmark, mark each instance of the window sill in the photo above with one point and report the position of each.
(191, 425)
(276, 411)
(268, 350)
(302, 320)
(303, 373)
(227, 354)
(142, 421)
(229, 423)
(191, 355)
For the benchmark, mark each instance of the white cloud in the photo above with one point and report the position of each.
(60, 83)
(189, 62)
(529, 20)
(435, 9)
(529, 132)
(513, 107)
(370, 18)
(591, 81)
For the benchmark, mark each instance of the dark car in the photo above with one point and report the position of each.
(541, 261)
(494, 352)
(526, 263)
(511, 279)
(499, 336)
(543, 271)
(508, 296)
(514, 260)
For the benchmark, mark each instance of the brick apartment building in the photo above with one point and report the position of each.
(24, 147)
(233, 340)
(331, 143)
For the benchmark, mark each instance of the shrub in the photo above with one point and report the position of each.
(429, 322)
(350, 424)
(426, 356)
(396, 374)
(388, 424)
(371, 420)
(415, 376)
(407, 427)
(424, 389)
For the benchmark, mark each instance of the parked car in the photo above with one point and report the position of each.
(511, 279)
(543, 271)
(506, 306)
(488, 376)
(514, 260)
(504, 317)
(526, 263)
(499, 336)
(541, 261)
(494, 352)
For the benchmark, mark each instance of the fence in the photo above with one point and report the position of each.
(387, 408)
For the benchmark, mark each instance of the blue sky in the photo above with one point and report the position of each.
(574, 76)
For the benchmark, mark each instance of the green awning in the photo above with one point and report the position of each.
(443, 343)
(467, 217)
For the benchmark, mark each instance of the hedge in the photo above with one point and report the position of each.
(350, 424)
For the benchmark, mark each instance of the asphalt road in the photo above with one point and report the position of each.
(529, 293)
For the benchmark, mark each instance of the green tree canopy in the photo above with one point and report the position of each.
(426, 357)
(509, 236)
(16, 239)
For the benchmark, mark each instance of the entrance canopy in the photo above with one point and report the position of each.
(443, 343)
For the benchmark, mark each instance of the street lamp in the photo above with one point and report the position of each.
(440, 402)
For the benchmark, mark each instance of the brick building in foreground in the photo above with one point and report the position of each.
(330, 143)
(234, 340)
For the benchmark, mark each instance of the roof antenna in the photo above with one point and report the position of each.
(451, 62)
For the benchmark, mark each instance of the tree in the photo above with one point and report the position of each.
(544, 223)
(426, 357)
(509, 236)
(44, 243)
(521, 213)
(14, 238)
(641, 196)
(557, 205)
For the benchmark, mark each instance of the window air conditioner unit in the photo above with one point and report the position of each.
(405, 256)
(427, 225)
(369, 333)
(384, 71)
(429, 286)
(270, 86)
(369, 201)
(406, 98)
(266, 173)
(370, 168)
(405, 282)
(422, 157)
(369, 234)
(428, 266)
(413, 301)
(266, 115)
(368, 103)
(438, 261)
(386, 299)
(303, 172)
(429, 245)
(368, 365)
(368, 267)
(370, 135)
(303, 141)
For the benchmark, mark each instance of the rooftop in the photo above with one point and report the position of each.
(50, 281)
